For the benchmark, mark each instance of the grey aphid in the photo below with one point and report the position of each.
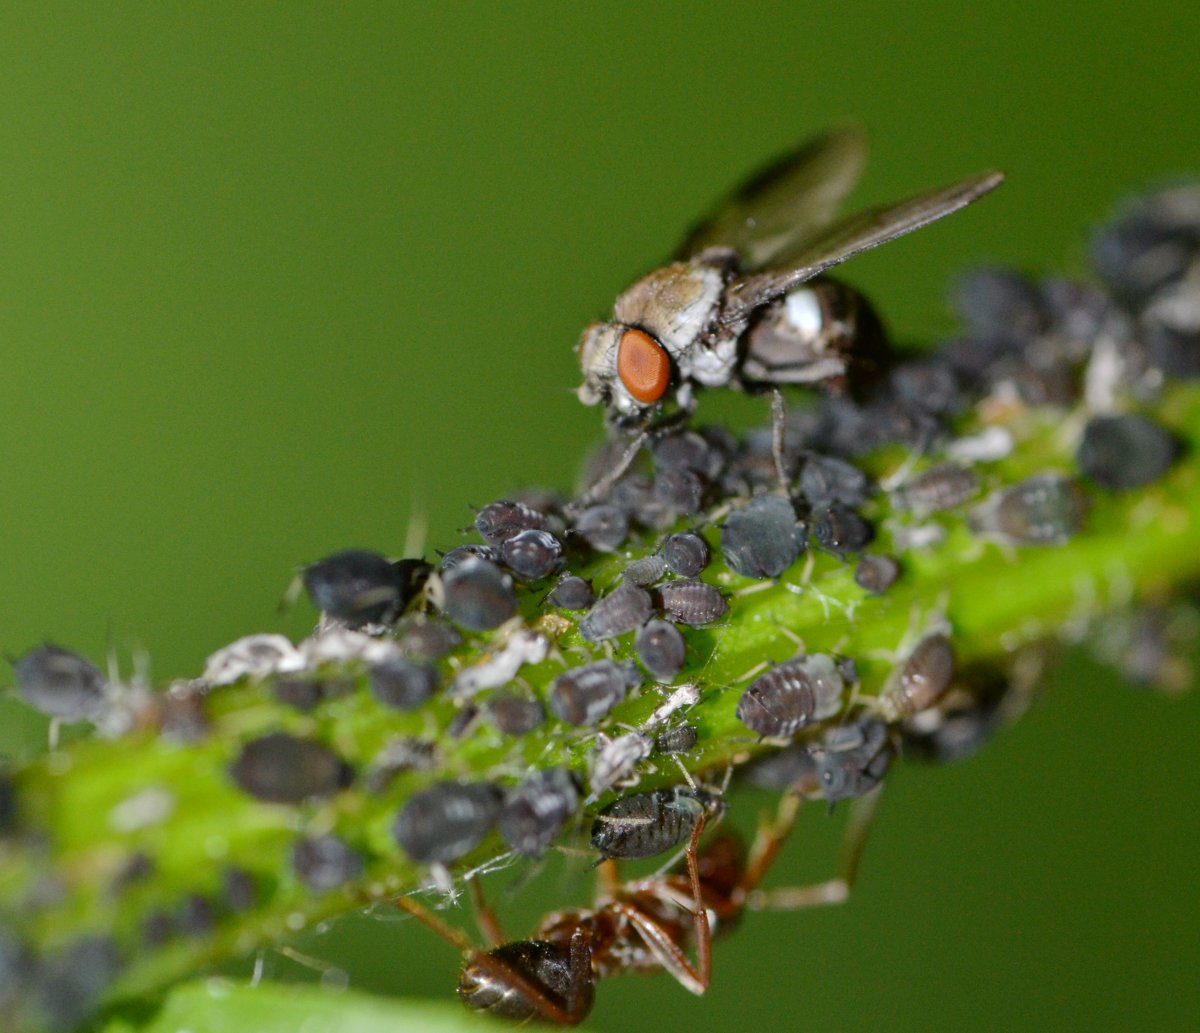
(626, 607)
(1123, 452)
(61, 684)
(584, 695)
(645, 570)
(532, 555)
(604, 527)
(1046, 509)
(691, 602)
(941, 487)
(791, 695)
(876, 573)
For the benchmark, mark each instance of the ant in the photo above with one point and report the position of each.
(638, 926)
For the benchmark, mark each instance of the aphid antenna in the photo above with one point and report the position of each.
(687, 775)
(291, 592)
(902, 472)
(256, 974)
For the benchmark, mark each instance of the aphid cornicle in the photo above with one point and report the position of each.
(741, 306)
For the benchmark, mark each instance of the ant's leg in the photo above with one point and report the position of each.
(485, 917)
(608, 881)
(778, 425)
(835, 890)
(767, 842)
(703, 932)
(455, 937)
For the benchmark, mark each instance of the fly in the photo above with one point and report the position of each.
(745, 303)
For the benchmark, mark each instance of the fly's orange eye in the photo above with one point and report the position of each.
(643, 366)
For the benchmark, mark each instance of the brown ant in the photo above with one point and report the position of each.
(639, 926)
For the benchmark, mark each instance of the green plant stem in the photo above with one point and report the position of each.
(995, 598)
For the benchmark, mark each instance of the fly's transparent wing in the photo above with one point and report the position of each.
(788, 202)
(849, 236)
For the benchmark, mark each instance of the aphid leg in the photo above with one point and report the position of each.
(485, 917)
(831, 891)
(778, 425)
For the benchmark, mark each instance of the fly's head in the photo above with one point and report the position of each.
(654, 345)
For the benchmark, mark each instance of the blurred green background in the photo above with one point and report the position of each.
(278, 279)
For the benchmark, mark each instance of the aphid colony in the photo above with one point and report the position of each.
(570, 612)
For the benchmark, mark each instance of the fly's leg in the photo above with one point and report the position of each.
(778, 426)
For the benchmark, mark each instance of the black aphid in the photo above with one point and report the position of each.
(463, 721)
(679, 739)
(397, 757)
(537, 809)
(626, 607)
(1046, 509)
(532, 555)
(922, 679)
(1123, 452)
(603, 527)
(939, 488)
(791, 695)
(679, 491)
(686, 553)
(196, 915)
(279, 768)
(929, 383)
(157, 927)
(304, 692)
(428, 639)
(645, 570)
(661, 649)
(71, 982)
(876, 573)
(763, 538)
(241, 889)
(515, 715)
(840, 530)
(359, 587)
(572, 593)
(478, 595)
(853, 759)
(826, 480)
(325, 862)
(469, 551)
(584, 695)
(1151, 243)
(647, 824)
(688, 450)
(500, 521)
(59, 683)
(447, 820)
(791, 769)
(8, 803)
(403, 684)
(998, 305)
